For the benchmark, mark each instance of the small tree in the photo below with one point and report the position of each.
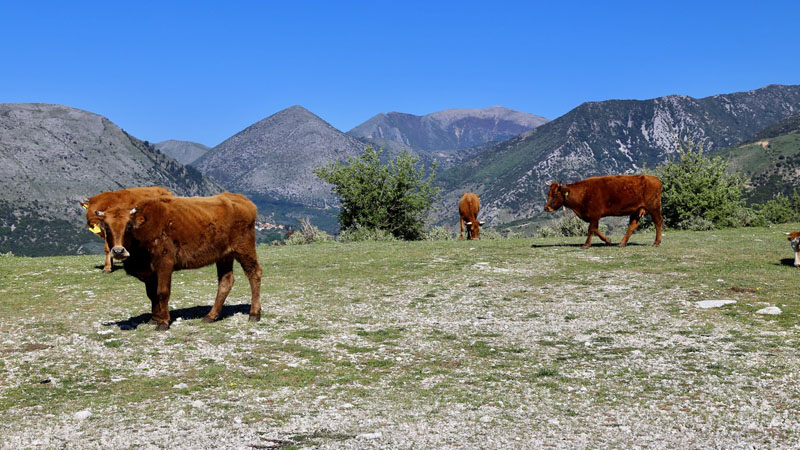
(696, 187)
(393, 197)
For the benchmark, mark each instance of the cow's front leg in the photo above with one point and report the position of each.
(461, 235)
(108, 263)
(151, 286)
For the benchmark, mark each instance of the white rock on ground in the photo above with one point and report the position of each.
(705, 304)
(769, 310)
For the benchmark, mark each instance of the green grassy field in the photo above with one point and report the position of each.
(522, 343)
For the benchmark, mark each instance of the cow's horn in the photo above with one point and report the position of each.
(100, 213)
(133, 211)
(468, 223)
(481, 223)
(788, 234)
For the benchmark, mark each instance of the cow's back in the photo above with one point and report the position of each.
(203, 228)
(621, 194)
(468, 206)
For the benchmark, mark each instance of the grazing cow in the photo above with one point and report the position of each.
(124, 198)
(613, 195)
(794, 238)
(159, 236)
(468, 208)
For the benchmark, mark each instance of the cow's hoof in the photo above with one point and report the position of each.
(586, 246)
(623, 244)
(152, 321)
(162, 326)
(106, 270)
(207, 319)
(255, 317)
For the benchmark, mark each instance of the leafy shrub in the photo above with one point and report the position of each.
(394, 196)
(696, 224)
(439, 233)
(361, 234)
(491, 235)
(569, 226)
(308, 234)
(697, 187)
(781, 209)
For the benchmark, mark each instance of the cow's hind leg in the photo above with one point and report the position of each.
(461, 235)
(632, 225)
(225, 283)
(252, 269)
(658, 221)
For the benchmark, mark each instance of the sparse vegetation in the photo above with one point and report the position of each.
(455, 341)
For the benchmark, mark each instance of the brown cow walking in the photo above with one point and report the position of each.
(123, 198)
(159, 236)
(612, 195)
(468, 208)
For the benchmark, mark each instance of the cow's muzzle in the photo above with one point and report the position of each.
(548, 209)
(119, 253)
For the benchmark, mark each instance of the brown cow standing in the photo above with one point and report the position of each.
(124, 198)
(159, 236)
(794, 238)
(468, 208)
(612, 195)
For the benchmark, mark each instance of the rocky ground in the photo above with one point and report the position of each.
(495, 344)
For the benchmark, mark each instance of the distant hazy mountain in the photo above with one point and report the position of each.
(771, 160)
(184, 152)
(272, 160)
(609, 137)
(450, 135)
(51, 157)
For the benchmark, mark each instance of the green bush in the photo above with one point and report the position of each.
(361, 234)
(696, 187)
(781, 209)
(308, 234)
(439, 233)
(393, 197)
(569, 226)
(491, 235)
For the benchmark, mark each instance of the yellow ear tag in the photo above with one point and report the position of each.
(85, 206)
(94, 229)
(566, 194)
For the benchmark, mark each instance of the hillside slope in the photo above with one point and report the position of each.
(771, 160)
(52, 156)
(610, 137)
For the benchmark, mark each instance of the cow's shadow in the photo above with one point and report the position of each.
(601, 244)
(195, 312)
(787, 262)
(114, 267)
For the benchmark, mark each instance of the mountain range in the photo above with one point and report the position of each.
(53, 156)
(448, 136)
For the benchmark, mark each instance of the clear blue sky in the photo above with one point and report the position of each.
(203, 71)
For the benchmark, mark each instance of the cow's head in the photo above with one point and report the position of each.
(474, 229)
(122, 225)
(94, 218)
(556, 197)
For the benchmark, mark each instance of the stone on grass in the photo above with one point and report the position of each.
(769, 310)
(705, 304)
(377, 435)
(83, 415)
(180, 386)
